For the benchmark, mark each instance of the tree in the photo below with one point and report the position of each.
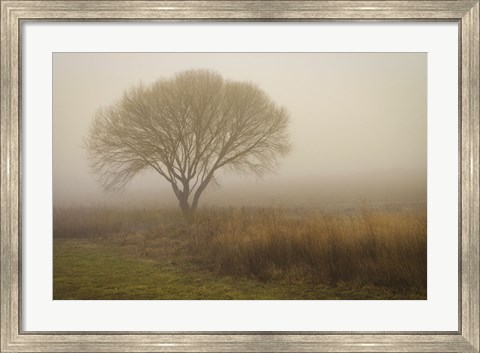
(186, 128)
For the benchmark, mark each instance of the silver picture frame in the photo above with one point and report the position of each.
(14, 13)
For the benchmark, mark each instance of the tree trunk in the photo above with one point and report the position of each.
(186, 210)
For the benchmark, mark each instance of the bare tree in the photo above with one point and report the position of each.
(186, 128)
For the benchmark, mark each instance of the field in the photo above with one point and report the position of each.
(240, 253)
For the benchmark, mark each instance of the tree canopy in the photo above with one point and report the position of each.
(186, 128)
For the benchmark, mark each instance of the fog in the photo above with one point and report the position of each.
(358, 126)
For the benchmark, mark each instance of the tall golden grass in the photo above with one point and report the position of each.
(374, 247)
(364, 246)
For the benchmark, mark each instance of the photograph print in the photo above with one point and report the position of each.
(242, 176)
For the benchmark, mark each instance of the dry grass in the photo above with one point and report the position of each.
(374, 247)
(94, 222)
(365, 247)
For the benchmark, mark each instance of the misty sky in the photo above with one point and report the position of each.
(358, 124)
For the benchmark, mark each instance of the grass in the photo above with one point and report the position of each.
(246, 253)
(93, 270)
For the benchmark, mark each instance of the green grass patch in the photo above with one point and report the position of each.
(97, 269)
